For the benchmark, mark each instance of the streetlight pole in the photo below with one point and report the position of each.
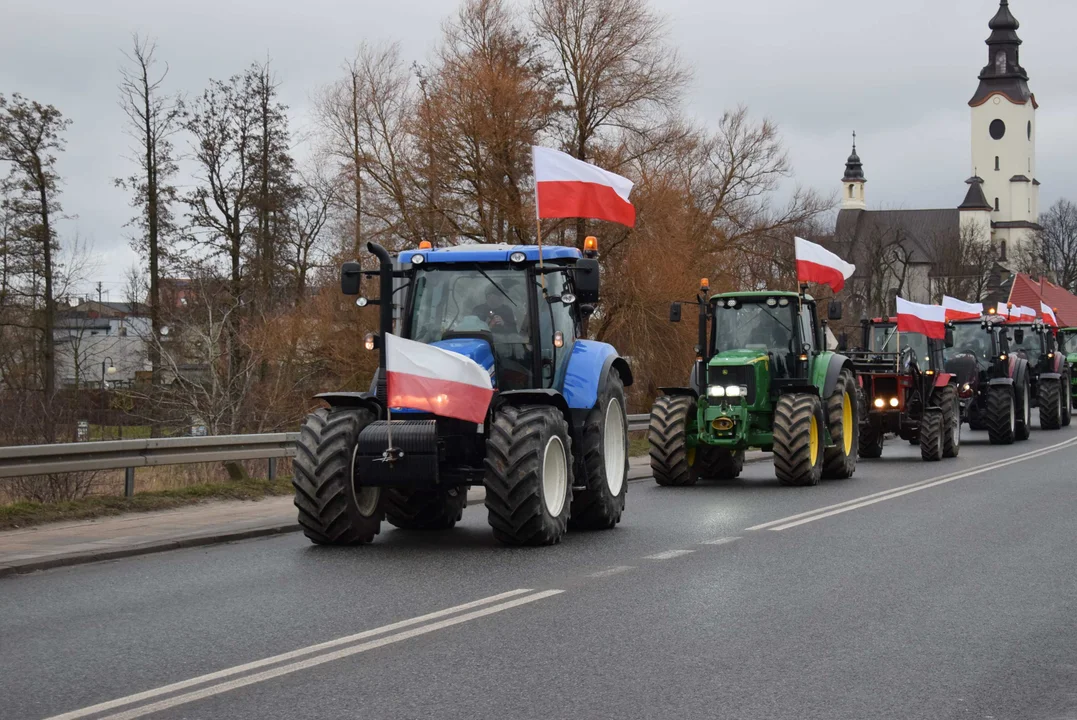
(107, 368)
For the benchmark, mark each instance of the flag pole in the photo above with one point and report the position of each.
(538, 223)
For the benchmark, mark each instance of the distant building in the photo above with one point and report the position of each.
(94, 334)
(916, 253)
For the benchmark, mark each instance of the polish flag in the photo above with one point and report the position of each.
(1003, 311)
(818, 265)
(569, 188)
(1020, 314)
(1049, 318)
(424, 377)
(929, 320)
(960, 310)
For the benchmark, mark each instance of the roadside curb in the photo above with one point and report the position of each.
(156, 546)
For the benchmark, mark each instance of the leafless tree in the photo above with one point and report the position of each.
(303, 247)
(1052, 251)
(153, 119)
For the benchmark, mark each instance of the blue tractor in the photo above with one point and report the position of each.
(553, 449)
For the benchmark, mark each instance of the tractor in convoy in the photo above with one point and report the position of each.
(1067, 344)
(551, 450)
(994, 384)
(1049, 373)
(906, 391)
(763, 378)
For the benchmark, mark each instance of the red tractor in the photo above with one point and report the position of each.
(906, 391)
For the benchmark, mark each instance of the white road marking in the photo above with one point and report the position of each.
(668, 554)
(322, 659)
(617, 570)
(228, 672)
(824, 512)
(720, 541)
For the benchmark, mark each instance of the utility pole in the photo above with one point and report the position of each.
(98, 291)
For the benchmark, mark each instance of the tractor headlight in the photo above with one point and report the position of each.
(1002, 357)
(417, 259)
(716, 391)
(517, 257)
(879, 402)
(370, 341)
(893, 402)
(733, 391)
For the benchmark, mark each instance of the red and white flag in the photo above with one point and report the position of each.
(816, 264)
(1019, 314)
(961, 310)
(569, 188)
(929, 320)
(1048, 314)
(424, 377)
(1002, 310)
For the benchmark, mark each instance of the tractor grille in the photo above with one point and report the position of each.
(735, 375)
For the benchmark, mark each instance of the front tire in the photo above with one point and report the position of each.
(798, 440)
(333, 509)
(672, 419)
(528, 475)
(604, 451)
(931, 435)
(1023, 397)
(1000, 415)
(843, 420)
(946, 398)
(1050, 402)
(716, 463)
(437, 509)
(872, 439)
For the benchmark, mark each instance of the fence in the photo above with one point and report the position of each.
(30, 460)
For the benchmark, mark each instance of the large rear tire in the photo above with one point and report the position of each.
(843, 420)
(672, 462)
(333, 509)
(528, 475)
(1050, 402)
(798, 440)
(437, 509)
(1067, 410)
(1023, 406)
(1000, 415)
(604, 451)
(931, 435)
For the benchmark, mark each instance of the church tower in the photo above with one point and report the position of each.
(1004, 136)
(852, 185)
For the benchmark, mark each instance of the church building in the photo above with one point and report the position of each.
(917, 253)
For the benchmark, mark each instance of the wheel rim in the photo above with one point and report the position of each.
(1013, 418)
(813, 441)
(847, 423)
(955, 426)
(366, 498)
(613, 445)
(690, 456)
(554, 476)
(1028, 407)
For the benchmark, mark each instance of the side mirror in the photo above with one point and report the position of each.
(833, 311)
(587, 311)
(949, 338)
(351, 273)
(675, 312)
(1019, 336)
(587, 280)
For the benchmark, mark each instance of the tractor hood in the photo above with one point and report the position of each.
(964, 367)
(729, 358)
(473, 349)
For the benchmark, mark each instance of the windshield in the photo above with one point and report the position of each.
(1031, 348)
(1068, 340)
(460, 300)
(970, 339)
(753, 326)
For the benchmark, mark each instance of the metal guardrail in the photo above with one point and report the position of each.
(23, 460)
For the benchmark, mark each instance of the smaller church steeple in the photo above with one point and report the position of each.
(853, 182)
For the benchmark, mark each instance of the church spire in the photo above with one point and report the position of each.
(854, 169)
(1003, 73)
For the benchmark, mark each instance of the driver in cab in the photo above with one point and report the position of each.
(496, 312)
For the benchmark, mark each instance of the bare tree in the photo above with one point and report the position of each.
(307, 218)
(1052, 251)
(962, 263)
(615, 66)
(153, 118)
(30, 138)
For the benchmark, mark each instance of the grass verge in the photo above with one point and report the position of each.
(24, 514)
(638, 444)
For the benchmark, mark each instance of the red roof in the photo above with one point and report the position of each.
(1026, 291)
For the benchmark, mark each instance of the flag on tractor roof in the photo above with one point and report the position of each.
(569, 188)
(929, 320)
(816, 264)
(961, 310)
(1048, 315)
(425, 377)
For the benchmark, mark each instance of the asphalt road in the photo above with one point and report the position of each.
(913, 590)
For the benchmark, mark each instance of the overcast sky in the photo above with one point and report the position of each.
(899, 72)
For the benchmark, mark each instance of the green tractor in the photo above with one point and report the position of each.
(763, 378)
(1067, 342)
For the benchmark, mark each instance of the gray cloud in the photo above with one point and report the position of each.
(900, 74)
